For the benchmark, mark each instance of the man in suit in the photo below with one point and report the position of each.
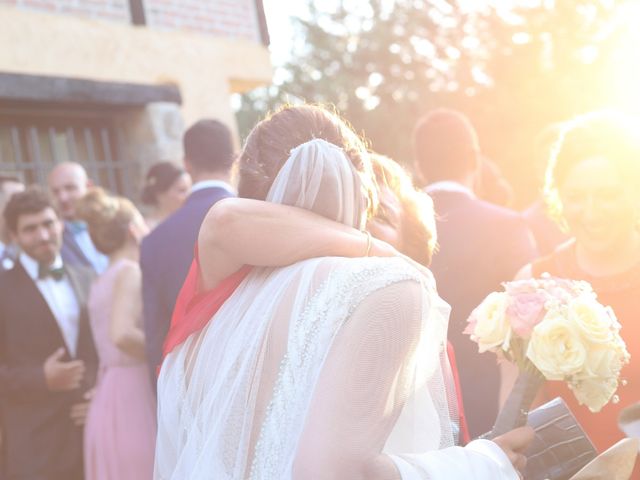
(68, 182)
(167, 252)
(47, 358)
(481, 245)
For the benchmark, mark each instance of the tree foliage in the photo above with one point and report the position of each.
(513, 69)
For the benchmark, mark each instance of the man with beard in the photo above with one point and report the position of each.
(47, 357)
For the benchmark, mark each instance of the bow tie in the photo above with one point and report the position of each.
(45, 271)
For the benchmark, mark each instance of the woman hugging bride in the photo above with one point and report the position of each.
(316, 367)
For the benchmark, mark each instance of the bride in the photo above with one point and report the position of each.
(328, 368)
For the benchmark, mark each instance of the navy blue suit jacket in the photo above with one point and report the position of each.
(165, 257)
(71, 252)
(481, 245)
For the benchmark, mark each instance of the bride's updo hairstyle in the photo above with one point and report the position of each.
(268, 146)
(108, 218)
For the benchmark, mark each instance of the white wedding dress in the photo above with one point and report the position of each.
(331, 368)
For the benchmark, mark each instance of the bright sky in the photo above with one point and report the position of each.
(278, 13)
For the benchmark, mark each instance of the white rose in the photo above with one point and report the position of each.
(556, 347)
(595, 393)
(621, 348)
(592, 319)
(491, 327)
(605, 361)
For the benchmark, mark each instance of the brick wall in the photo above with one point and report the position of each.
(115, 10)
(226, 18)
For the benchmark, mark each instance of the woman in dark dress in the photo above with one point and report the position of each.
(593, 189)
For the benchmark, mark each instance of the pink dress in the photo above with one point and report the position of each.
(120, 431)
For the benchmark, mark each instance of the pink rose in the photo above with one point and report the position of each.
(525, 311)
(517, 287)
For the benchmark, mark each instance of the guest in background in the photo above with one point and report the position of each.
(9, 185)
(546, 231)
(167, 252)
(121, 426)
(68, 183)
(166, 187)
(592, 188)
(47, 357)
(481, 245)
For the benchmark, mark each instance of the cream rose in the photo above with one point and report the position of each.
(605, 361)
(556, 347)
(489, 325)
(593, 320)
(594, 393)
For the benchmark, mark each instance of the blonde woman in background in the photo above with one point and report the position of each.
(121, 428)
(592, 190)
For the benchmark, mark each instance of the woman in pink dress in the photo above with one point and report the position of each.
(121, 427)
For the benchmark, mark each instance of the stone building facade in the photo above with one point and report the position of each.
(113, 83)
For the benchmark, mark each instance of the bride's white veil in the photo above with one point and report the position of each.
(233, 398)
(318, 176)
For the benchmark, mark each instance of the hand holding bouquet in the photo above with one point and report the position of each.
(552, 329)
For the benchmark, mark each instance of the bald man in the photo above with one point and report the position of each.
(68, 182)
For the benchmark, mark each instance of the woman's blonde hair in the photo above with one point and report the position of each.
(418, 225)
(611, 135)
(108, 218)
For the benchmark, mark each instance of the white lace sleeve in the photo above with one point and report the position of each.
(362, 387)
(365, 384)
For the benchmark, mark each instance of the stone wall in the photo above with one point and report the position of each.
(149, 135)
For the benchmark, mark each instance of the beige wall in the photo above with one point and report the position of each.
(206, 69)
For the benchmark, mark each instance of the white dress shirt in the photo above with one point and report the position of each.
(449, 186)
(213, 183)
(60, 297)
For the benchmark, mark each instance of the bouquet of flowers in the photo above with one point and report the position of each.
(552, 329)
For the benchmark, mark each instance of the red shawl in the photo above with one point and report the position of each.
(195, 307)
(465, 437)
